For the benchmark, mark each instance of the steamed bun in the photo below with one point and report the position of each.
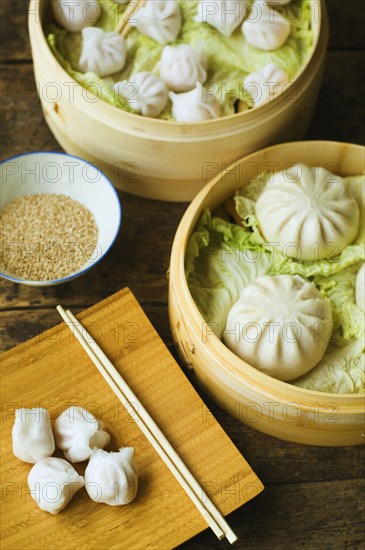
(223, 15)
(307, 212)
(158, 19)
(112, 478)
(75, 15)
(265, 28)
(32, 435)
(103, 53)
(53, 482)
(281, 325)
(78, 432)
(182, 66)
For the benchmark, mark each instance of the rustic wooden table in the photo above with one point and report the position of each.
(314, 496)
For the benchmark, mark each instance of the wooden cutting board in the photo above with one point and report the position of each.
(53, 371)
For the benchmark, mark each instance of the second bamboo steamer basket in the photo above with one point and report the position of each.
(160, 159)
(269, 405)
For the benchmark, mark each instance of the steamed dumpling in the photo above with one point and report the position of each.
(265, 28)
(266, 83)
(74, 15)
(223, 15)
(112, 478)
(307, 213)
(360, 287)
(145, 93)
(53, 482)
(194, 106)
(32, 435)
(159, 19)
(103, 53)
(77, 432)
(181, 67)
(281, 325)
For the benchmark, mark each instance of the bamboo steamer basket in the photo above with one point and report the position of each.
(269, 405)
(161, 159)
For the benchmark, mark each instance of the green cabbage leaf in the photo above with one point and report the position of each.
(223, 257)
(230, 60)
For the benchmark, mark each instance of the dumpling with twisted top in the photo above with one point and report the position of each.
(195, 106)
(281, 325)
(77, 432)
(112, 478)
(181, 67)
(223, 15)
(53, 482)
(144, 92)
(265, 28)
(307, 212)
(74, 15)
(32, 435)
(158, 19)
(266, 83)
(103, 53)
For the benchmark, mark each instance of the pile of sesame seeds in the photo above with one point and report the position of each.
(46, 237)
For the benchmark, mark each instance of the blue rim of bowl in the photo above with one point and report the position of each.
(76, 274)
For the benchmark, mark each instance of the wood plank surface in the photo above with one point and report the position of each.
(278, 519)
(314, 497)
(53, 371)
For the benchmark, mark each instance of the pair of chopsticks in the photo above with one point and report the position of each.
(123, 26)
(152, 432)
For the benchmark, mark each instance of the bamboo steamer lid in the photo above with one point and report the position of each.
(160, 159)
(269, 405)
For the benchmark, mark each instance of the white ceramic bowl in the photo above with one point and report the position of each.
(58, 173)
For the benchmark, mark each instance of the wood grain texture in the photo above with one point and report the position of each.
(278, 519)
(314, 497)
(52, 371)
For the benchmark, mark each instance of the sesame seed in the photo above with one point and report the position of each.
(46, 237)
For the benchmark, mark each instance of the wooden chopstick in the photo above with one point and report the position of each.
(123, 26)
(150, 429)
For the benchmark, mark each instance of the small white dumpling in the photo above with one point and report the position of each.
(181, 67)
(159, 19)
(360, 288)
(77, 432)
(53, 482)
(265, 28)
(307, 213)
(195, 106)
(32, 435)
(223, 15)
(103, 53)
(281, 325)
(74, 15)
(265, 84)
(112, 478)
(144, 92)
